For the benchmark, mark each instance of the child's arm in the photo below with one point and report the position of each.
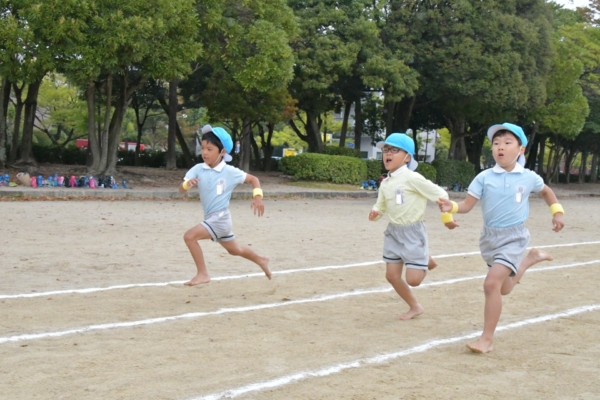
(188, 184)
(257, 195)
(555, 208)
(450, 207)
(461, 208)
(379, 207)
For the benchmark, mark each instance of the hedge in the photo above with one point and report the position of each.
(341, 151)
(428, 171)
(323, 167)
(451, 172)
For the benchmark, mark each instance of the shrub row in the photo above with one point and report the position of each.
(322, 167)
(343, 169)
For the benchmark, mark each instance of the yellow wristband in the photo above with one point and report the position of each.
(257, 192)
(454, 208)
(447, 217)
(556, 208)
(185, 185)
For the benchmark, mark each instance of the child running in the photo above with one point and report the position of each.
(216, 181)
(504, 193)
(403, 196)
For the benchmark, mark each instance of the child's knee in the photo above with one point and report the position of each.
(491, 286)
(392, 276)
(189, 237)
(414, 280)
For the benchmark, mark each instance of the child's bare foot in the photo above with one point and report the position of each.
(537, 256)
(413, 312)
(198, 279)
(264, 265)
(432, 264)
(481, 346)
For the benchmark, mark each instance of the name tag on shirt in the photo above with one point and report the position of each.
(519, 194)
(220, 187)
(399, 197)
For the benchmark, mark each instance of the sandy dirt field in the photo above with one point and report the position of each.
(78, 322)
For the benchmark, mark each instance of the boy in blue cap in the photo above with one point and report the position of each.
(403, 196)
(216, 180)
(504, 193)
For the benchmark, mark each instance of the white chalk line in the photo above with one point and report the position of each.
(251, 275)
(229, 310)
(382, 358)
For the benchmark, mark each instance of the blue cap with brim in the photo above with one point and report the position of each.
(223, 136)
(403, 142)
(515, 129)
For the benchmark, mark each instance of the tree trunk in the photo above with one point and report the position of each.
(4, 87)
(345, 124)
(17, 122)
(457, 149)
(255, 148)
(93, 144)
(171, 140)
(389, 111)
(403, 115)
(582, 168)
(100, 160)
(313, 132)
(541, 154)
(594, 171)
(474, 144)
(532, 153)
(267, 147)
(30, 110)
(187, 155)
(246, 149)
(358, 123)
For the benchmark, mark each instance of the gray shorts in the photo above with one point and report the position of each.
(504, 246)
(218, 224)
(406, 244)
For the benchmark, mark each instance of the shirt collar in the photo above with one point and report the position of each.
(218, 168)
(399, 170)
(516, 170)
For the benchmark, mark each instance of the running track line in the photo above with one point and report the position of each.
(258, 274)
(316, 299)
(382, 358)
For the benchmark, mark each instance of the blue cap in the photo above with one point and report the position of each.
(223, 136)
(518, 132)
(404, 142)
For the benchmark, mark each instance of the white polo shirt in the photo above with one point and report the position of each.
(505, 195)
(216, 184)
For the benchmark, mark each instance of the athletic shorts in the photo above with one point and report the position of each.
(218, 224)
(406, 244)
(504, 246)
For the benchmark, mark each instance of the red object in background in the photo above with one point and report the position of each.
(83, 144)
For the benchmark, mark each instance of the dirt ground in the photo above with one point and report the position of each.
(322, 328)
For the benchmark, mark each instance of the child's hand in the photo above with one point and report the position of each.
(374, 215)
(444, 204)
(192, 182)
(452, 225)
(558, 222)
(257, 206)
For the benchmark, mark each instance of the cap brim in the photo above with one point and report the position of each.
(227, 157)
(380, 145)
(495, 128)
(206, 129)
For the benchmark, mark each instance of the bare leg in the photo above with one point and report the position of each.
(533, 257)
(235, 249)
(394, 276)
(432, 264)
(191, 238)
(493, 307)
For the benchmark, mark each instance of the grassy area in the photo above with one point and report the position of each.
(324, 185)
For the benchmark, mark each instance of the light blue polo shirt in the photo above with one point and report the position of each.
(505, 195)
(216, 184)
